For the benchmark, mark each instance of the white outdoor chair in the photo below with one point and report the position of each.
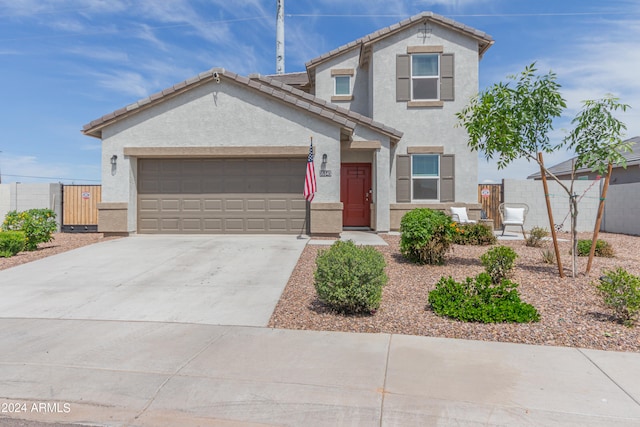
(513, 214)
(459, 215)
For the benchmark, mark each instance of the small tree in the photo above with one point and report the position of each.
(514, 121)
(597, 141)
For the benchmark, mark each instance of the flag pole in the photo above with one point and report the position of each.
(309, 187)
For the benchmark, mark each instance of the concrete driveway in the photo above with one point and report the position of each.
(216, 280)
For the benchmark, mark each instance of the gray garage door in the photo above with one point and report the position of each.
(221, 195)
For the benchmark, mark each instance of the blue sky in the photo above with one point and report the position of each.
(64, 63)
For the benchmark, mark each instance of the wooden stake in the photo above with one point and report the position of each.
(552, 225)
(596, 229)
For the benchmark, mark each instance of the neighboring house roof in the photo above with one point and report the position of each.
(299, 79)
(268, 86)
(364, 43)
(564, 168)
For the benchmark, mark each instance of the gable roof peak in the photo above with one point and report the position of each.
(485, 41)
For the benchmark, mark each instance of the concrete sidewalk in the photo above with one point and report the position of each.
(118, 373)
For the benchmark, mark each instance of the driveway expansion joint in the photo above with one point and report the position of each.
(608, 376)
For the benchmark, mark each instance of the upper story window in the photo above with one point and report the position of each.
(342, 85)
(342, 80)
(425, 77)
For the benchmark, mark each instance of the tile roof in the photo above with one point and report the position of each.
(564, 168)
(298, 79)
(323, 104)
(267, 85)
(485, 40)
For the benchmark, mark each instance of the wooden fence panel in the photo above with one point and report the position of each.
(80, 207)
(490, 197)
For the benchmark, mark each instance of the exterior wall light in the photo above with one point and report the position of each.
(114, 160)
(324, 159)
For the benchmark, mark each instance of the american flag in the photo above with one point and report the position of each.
(310, 177)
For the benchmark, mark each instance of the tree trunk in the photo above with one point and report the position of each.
(543, 173)
(574, 233)
(596, 229)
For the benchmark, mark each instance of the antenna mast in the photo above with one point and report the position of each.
(280, 37)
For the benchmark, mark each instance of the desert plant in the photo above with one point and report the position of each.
(621, 293)
(548, 256)
(474, 234)
(11, 243)
(349, 278)
(480, 300)
(536, 237)
(603, 248)
(426, 236)
(38, 225)
(498, 262)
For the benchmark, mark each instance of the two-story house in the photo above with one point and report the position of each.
(223, 153)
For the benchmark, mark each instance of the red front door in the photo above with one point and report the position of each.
(355, 187)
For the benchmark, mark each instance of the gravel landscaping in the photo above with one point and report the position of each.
(571, 312)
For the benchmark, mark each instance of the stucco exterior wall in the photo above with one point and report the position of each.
(429, 126)
(531, 193)
(22, 197)
(621, 209)
(359, 82)
(218, 115)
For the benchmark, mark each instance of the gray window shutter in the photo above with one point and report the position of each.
(403, 178)
(447, 178)
(403, 78)
(446, 77)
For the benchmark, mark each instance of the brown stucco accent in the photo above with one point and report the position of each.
(425, 49)
(432, 149)
(365, 145)
(342, 72)
(112, 218)
(415, 104)
(326, 218)
(399, 209)
(248, 151)
(339, 98)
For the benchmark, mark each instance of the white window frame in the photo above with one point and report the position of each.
(437, 77)
(335, 84)
(437, 178)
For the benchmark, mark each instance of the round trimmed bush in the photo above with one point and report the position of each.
(426, 236)
(349, 278)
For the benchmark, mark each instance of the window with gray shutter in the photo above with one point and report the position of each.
(425, 178)
(421, 82)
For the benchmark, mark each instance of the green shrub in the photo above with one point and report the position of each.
(603, 249)
(480, 300)
(474, 234)
(498, 262)
(621, 293)
(38, 225)
(11, 243)
(426, 236)
(536, 237)
(349, 278)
